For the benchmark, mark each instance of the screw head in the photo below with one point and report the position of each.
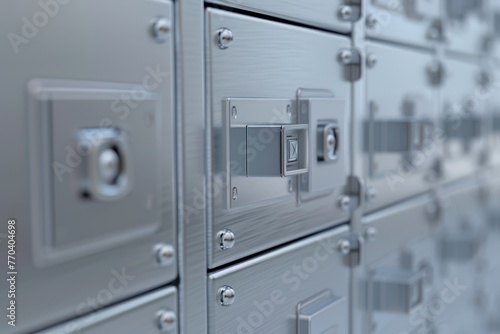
(165, 254)
(234, 193)
(224, 38)
(345, 56)
(371, 60)
(344, 246)
(234, 112)
(345, 12)
(167, 320)
(371, 233)
(226, 295)
(344, 202)
(370, 194)
(108, 164)
(161, 28)
(226, 239)
(371, 21)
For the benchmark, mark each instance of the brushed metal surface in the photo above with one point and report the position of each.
(191, 172)
(405, 78)
(269, 287)
(319, 13)
(405, 22)
(81, 43)
(139, 315)
(267, 60)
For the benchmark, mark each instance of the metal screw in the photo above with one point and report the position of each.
(167, 320)
(226, 239)
(345, 56)
(370, 194)
(165, 254)
(371, 21)
(161, 28)
(344, 202)
(371, 233)
(345, 12)
(344, 246)
(226, 295)
(234, 112)
(371, 60)
(224, 38)
(235, 193)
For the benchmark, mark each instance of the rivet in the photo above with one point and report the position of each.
(226, 295)
(165, 254)
(345, 12)
(370, 194)
(345, 56)
(226, 239)
(371, 233)
(371, 21)
(167, 320)
(344, 202)
(344, 246)
(371, 60)
(224, 38)
(161, 28)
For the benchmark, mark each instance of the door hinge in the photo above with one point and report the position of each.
(351, 59)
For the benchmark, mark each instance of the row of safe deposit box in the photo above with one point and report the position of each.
(250, 166)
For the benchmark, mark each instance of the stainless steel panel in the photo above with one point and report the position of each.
(85, 41)
(320, 13)
(269, 288)
(406, 22)
(462, 108)
(403, 250)
(401, 111)
(264, 62)
(140, 315)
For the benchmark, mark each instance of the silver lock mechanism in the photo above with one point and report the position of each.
(396, 289)
(283, 145)
(328, 141)
(106, 168)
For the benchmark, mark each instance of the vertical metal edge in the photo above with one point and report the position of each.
(358, 98)
(191, 157)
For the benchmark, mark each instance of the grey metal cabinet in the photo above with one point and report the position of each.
(90, 157)
(336, 15)
(398, 134)
(398, 265)
(300, 288)
(406, 22)
(278, 118)
(153, 313)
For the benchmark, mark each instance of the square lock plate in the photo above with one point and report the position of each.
(102, 187)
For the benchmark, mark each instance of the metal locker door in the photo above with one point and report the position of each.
(460, 250)
(301, 288)
(407, 22)
(462, 118)
(90, 157)
(395, 279)
(398, 135)
(153, 313)
(336, 15)
(279, 104)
